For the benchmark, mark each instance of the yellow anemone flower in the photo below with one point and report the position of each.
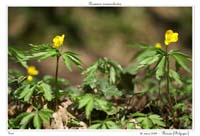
(29, 78)
(32, 71)
(158, 45)
(58, 41)
(170, 37)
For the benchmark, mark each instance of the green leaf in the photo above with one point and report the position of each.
(46, 89)
(103, 105)
(107, 89)
(138, 114)
(112, 91)
(37, 121)
(45, 114)
(90, 73)
(43, 51)
(67, 62)
(145, 53)
(130, 125)
(160, 69)
(157, 120)
(26, 93)
(180, 106)
(95, 126)
(111, 125)
(149, 60)
(26, 119)
(69, 57)
(180, 54)
(103, 126)
(87, 101)
(74, 58)
(109, 68)
(132, 69)
(112, 75)
(140, 119)
(16, 121)
(22, 91)
(29, 94)
(44, 55)
(89, 108)
(51, 80)
(174, 75)
(91, 102)
(18, 55)
(181, 60)
(84, 100)
(147, 123)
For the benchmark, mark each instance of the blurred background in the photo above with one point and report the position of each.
(96, 32)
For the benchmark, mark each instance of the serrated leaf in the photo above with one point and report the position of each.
(103, 105)
(67, 62)
(103, 126)
(22, 91)
(149, 60)
(16, 121)
(90, 74)
(69, 57)
(29, 94)
(140, 119)
(43, 51)
(26, 119)
(45, 114)
(174, 75)
(37, 121)
(130, 125)
(26, 93)
(84, 100)
(157, 120)
(112, 75)
(145, 53)
(43, 55)
(111, 125)
(160, 69)
(18, 55)
(147, 123)
(180, 54)
(89, 108)
(138, 114)
(87, 101)
(182, 60)
(74, 58)
(95, 126)
(46, 89)
(107, 89)
(112, 91)
(132, 69)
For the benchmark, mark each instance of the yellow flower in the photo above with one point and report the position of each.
(32, 71)
(170, 37)
(29, 78)
(158, 45)
(58, 41)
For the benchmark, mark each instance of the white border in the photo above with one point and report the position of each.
(85, 3)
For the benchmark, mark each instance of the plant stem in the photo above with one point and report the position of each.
(159, 93)
(56, 80)
(167, 74)
(168, 91)
(57, 66)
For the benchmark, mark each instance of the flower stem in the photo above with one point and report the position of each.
(56, 80)
(57, 66)
(168, 84)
